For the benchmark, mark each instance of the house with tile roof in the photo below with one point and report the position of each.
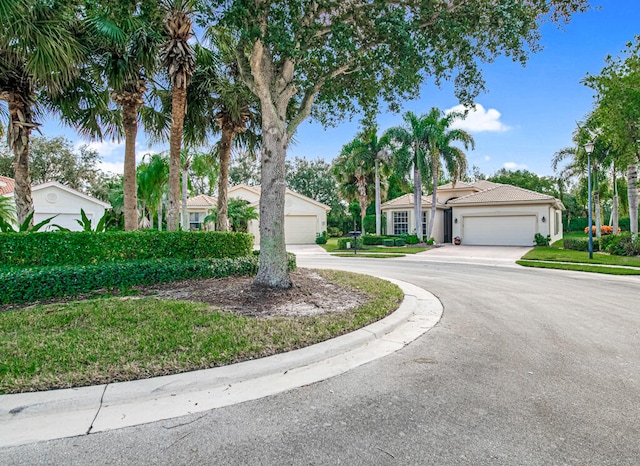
(304, 218)
(53, 199)
(481, 213)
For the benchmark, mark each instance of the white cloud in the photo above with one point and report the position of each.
(514, 166)
(478, 119)
(487, 158)
(112, 154)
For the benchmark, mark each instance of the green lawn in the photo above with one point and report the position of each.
(567, 259)
(332, 246)
(115, 339)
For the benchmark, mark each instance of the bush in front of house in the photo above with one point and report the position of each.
(622, 245)
(542, 240)
(80, 247)
(334, 232)
(26, 284)
(322, 239)
(342, 243)
(576, 244)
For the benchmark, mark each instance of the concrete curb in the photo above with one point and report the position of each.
(40, 416)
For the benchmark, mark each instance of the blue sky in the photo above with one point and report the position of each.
(527, 114)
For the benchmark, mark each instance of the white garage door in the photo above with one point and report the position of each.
(300, 229)
(508, 230)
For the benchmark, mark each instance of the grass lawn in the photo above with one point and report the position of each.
(116, 339)
(332, 246)
(369, 255)
(578, 260)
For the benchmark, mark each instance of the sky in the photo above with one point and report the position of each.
(525, 116)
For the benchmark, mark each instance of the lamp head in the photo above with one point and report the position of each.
(588, 147)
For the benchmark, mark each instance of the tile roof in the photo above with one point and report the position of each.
(202, 200)
(407, 199)
(503, 193)
(458, 185)
(7, 185)
(484, 184)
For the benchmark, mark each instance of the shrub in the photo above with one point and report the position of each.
(412, 239)
(334, 232)
(431, 241)
(80, 247)
(322, 239)
(623, 245)
(541, 240)
(342, 243)
(400, 242)
(604, 230)
(25, 284)
(373, 240)
(576, 244)
(388, 242)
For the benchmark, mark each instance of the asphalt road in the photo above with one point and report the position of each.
(526, 367)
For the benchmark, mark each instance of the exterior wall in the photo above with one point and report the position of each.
(243, 192)
(52, 200)
(546, 227)
(444, 195)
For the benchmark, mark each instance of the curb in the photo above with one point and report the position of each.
(39, 416)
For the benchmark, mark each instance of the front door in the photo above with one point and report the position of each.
(448, 225)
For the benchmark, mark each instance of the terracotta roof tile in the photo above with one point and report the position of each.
(502, 193)
(7, 185)
(202, 200)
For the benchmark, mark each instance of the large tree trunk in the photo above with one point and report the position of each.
(160, 216)
(417, 199)
(178, 105)
(272, 269)
(19, 134)
(130, 124)
(614, 209)
(632, 191)
(224, 151)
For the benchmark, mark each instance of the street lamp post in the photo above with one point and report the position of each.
(588, 147)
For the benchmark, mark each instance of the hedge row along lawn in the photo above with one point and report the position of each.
(332, 246)
(107, 340)
(579, 260)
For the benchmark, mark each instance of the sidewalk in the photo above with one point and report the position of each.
(39, 416)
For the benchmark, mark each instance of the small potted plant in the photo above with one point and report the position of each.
(457, 240)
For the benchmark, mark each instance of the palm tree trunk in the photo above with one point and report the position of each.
(632, 191)
(614, 209)
(272, 265)
(417, 199)
(378, 211)
(185, 186)
(596, 201)
(178, 107)
(19, 133)
(224, 149)
(130, 124)
(160, 216)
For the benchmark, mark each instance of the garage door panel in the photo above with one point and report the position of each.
(300, 229)
(507, 230)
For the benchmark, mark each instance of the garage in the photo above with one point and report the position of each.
(503, 230)
(300, 229)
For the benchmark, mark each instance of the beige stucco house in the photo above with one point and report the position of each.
(304, 218)
(55, 199)
(481, 213)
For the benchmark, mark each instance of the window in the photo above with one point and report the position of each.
(425, 223)
(558, 223)
(400, 222)
(194, 221)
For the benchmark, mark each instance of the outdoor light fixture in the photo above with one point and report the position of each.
(543, 219)
(455, 221)
(588, 147)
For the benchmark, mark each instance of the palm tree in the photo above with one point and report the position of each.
(39, 51)
(354, 170)
(440, 147)
(178, 57)
(7, 209)
(125, 44)
(413, 142)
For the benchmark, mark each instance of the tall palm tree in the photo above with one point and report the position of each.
(440, 149)
(39, 50)
(412, 141)
(126, 39)
(178, 57)
(354, 170)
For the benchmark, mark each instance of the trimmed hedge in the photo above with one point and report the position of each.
(84, 248)
(400, 242)
(342, 243)
(388, 242)
(26, 284)
(578, 244)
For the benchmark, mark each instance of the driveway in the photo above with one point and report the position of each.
(526, 367)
